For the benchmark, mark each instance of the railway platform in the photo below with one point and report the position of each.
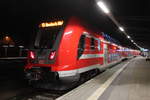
(129, 80)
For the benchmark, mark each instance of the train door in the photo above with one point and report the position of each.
(105, 54)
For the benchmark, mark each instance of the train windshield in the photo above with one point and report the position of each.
(47, 37)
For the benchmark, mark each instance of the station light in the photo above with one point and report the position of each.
(21, 46)
(121, 29)
(128, 37)
(132, 41)
(103, 7)
(7, 38)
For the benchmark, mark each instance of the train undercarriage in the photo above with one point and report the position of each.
(45, 79)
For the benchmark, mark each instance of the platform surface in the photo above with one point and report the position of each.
(132, 84)
(129, 80)
(84, 91)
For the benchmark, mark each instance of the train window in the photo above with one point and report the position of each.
(92, 43)
(81, 46)
(99, 45)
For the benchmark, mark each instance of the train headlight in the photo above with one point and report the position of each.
(52, 55)
(31, 55)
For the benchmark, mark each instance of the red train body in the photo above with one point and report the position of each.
(70, 50)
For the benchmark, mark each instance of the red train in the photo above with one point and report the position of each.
(65, 49)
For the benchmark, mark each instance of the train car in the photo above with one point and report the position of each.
(64, 50)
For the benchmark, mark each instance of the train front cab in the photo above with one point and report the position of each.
(43, 54)
(54, 52)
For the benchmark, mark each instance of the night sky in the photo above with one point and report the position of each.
(20, 18)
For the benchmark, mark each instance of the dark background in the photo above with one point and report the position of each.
(20, 18)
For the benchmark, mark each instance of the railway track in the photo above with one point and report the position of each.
(37, 95)
(40, 94)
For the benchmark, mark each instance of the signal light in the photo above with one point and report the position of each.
(52, 55)
(31, 55)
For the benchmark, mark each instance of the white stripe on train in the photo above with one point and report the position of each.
(89, 56)
(87, 68)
